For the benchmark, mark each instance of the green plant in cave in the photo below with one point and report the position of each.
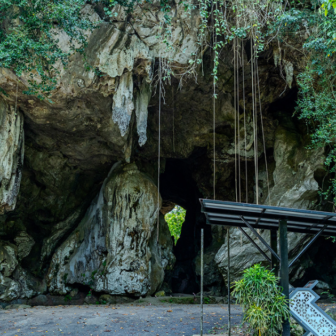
(265, 307)
(175, 220)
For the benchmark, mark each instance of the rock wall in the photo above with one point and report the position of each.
(292, 185)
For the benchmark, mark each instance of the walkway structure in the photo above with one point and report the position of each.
(251, 216)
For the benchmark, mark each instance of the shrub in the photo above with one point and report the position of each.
(265, 307)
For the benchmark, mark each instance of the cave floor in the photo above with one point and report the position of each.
(126, 319)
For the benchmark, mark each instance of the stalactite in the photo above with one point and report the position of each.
(123, 105)
(141, 110)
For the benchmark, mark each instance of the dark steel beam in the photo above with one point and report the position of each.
(304, 213)
(260, 238)
(307, 246)
(329, 232)
(314, 226)
(255, 244)
(284, 272)
(301, 219)
(262, 212)
(274, 245)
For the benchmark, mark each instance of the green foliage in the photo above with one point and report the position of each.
(316, 100)
(265, 307)
(327, 5)
(29, 42)
(29, 36)
(175, 219)
(234, 20)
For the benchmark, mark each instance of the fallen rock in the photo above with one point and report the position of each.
(106, 298)
(17, 306)
(91, 299)
(322, 285)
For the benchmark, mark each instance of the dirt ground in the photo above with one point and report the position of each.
(147, 317)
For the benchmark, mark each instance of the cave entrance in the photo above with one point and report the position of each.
(179, 188)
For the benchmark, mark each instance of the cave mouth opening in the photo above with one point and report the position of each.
(179, 188)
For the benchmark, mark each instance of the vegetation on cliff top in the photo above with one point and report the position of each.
(29, 44)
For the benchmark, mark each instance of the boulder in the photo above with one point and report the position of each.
(322, 285)
(113, 249)
(91, 299)
(107, 299)
(40, 300)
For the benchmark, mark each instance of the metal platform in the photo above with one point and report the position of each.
(267, 217)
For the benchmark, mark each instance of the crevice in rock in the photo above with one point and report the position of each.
(178, 187)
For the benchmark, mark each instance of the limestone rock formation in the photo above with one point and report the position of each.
(294, 186)
(123, 105)
(67, 224)
(110, 249)
(24, 244)
(15, 282)
(11, 155)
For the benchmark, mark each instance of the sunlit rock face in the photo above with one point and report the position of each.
(111, 248)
